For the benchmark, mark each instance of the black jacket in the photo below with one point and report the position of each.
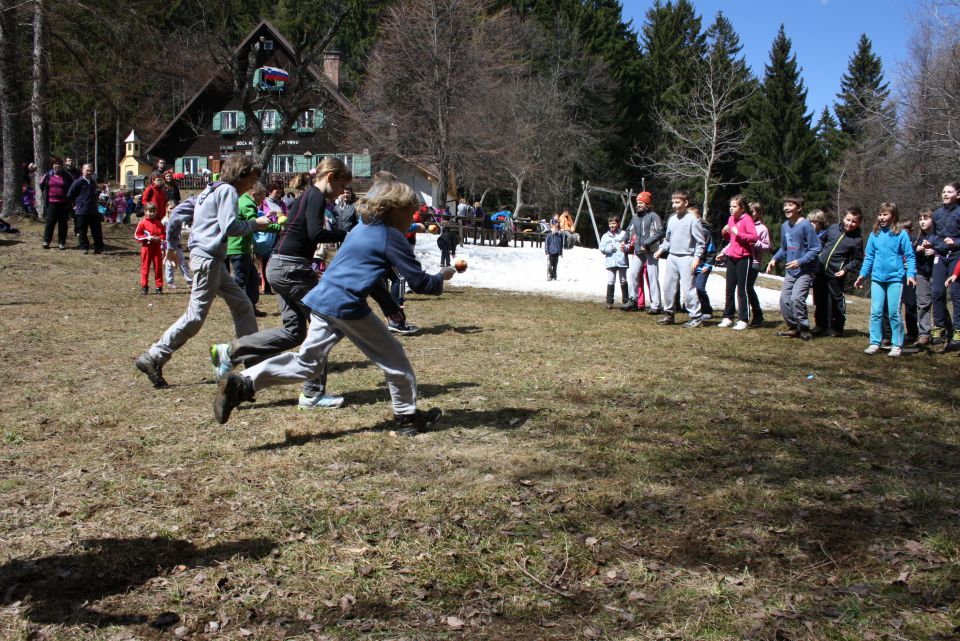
(924, 262)
(304, 229)
(841, 250)
(83, 194)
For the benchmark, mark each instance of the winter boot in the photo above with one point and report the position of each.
(419, 421)
(610, 289)
(233, 390)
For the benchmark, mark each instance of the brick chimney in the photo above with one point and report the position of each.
(331, 67)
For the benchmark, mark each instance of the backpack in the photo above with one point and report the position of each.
(263, 242)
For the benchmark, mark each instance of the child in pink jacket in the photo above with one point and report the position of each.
(740, 234)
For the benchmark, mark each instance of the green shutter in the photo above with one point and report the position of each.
(241, 121)
(178, 165)
(202, 163)
(256, 78)
(300, 163)
(259, 116)
(361, 165)
(318, 119)
(217, 120)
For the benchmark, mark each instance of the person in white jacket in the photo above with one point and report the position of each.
(611, 246)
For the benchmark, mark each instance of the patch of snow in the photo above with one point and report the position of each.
(580, 274)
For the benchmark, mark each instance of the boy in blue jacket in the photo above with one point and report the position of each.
(339, 309)
(800, 251)
(553, 248)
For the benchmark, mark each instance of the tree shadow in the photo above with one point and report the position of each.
(58, 588)
(509, 418)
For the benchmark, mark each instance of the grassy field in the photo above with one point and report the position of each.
(594, 476)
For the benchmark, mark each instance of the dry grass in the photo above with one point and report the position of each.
(595, 477)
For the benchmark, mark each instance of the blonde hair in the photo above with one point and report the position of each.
(299, 182)
(390, 201)
(238, 167)
(335, 166)
(756, 211)
(894, 212)
(817, 217)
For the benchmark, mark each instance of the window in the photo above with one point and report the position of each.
(269, 119)
(282, 164)
(191, 165)
(346, 158)
(310, 120)
(228, 121)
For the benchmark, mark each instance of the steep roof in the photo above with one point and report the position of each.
(133, 137)
(315, 72)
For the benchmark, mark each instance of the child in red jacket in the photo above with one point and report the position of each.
(150, 234)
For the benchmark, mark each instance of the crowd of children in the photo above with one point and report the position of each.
(910, 276)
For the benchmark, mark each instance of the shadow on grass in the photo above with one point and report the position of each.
(509, 418)
(373, 396)
(436, 330)
(58, 588)
(7, 241)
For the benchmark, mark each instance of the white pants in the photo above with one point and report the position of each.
(169, 269)
(679, 271)
(634, 282)
(370, 336)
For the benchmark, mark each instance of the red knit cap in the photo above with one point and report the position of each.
(645, 197)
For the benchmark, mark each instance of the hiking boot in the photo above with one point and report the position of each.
(220, 359)
(726, 322)
(154, 372)
(654, 311)
(666, 319)
(694, 322)
(406, 329)
(789, 333)
(629, 306)
(233, 390)
(936, 336)
(144, 290)
(324, 401)
(419, 421)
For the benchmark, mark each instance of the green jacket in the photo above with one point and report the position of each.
(239, 245)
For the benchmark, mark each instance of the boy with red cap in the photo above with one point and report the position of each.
(646, 232)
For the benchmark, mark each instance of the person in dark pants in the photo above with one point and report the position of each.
(553, 248)
(946, 222)
(842, 253)
(83, 194)
(54, 187)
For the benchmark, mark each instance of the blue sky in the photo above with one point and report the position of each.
(824, 34)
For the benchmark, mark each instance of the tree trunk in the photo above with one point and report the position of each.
(518, 202)
(38, 107)
(11, 109)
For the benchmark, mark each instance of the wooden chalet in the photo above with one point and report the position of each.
(212, 126)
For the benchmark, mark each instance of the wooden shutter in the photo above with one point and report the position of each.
(217, 121)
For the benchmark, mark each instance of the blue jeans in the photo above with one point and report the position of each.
(886, 296)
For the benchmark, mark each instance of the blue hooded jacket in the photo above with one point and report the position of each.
(889, 258)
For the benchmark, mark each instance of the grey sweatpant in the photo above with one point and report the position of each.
(210, 279)
(634, 282)
(679, 271)
(370, 336)
(793, 300)
(924, 305)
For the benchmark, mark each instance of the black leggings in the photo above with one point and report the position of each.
(738, 270)
(57, 216)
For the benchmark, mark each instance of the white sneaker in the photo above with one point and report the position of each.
(740, 325)
(326, 402)
(874, 348)
(726, 322)
(895, 351)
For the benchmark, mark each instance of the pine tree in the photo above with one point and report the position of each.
(828, 133)
(863, 93)
(783, 154)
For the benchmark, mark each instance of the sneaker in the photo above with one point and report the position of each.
(233, 390)
(805, 335)
(694, 322)
(46, 245)
(666, 319)
(872, 349)
(726, 322)
(706, 317)
(629, 306)
(325, 401)
(154, 372)
(85, 251)
(609, 305)
(419, 421)
(740, 326)
(220, 359)
(62, 247)
(654, 311)
(158, 290)
(405, 329)
(936, 335)
(144, 290)
(259, 313)
(895, 352)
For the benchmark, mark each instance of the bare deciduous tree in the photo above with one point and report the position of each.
(38, 97)
(703, 134)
